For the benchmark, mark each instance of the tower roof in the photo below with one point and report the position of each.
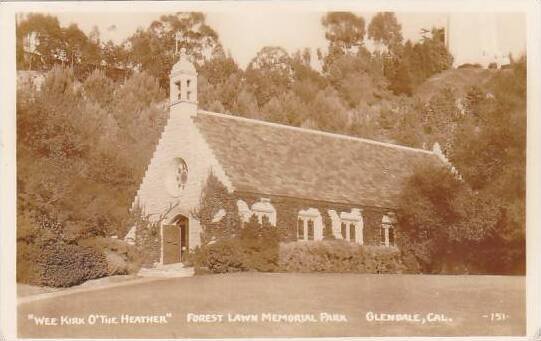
(184, 65)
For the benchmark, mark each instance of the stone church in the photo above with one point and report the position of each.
(304, 180)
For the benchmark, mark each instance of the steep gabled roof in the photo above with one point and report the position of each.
(274, 159)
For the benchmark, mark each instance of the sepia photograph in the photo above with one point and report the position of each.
(192, 171)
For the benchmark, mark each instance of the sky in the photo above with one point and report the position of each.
(244, 35)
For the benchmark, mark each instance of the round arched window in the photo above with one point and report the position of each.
(182, 174)
(176, 177)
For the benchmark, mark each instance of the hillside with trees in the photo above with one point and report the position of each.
(86, 135)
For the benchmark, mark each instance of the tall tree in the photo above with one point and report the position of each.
(345, 32)
(219, 81)
(46, 33)
(74, 43)
(412, 64)
(270, 73)
(153, 49)
(385, 29)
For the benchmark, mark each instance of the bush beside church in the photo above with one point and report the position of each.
(266, 253)
(46, 256)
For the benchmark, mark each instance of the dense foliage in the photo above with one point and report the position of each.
(264, 253)
(255, 248)
(475, 221)
(85, 137)
(79, 164)
(216, 200)
(339, 256)
(348, 90)
(45, 257)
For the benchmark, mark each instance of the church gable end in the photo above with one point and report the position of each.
(181, 163)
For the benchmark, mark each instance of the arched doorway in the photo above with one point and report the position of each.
(175, 240)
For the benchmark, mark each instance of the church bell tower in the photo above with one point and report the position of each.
(183, 86)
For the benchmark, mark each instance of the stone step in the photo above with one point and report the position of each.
(166, 271)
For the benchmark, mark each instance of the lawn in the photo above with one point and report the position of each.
(256, 296)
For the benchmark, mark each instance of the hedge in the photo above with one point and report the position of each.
(233, 255)
(256, 248)
(65, 265)
(61, 264)
(339, 256)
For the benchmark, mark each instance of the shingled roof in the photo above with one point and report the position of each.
(274, 159)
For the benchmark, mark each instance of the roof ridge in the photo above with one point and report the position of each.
(314, 131)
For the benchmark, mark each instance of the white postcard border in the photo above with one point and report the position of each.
(8, 305)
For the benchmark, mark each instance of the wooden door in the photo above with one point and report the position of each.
(171, 244)
(182, 224)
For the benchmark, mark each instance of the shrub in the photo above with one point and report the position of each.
(318, 256)
(233, 255)
(415, 255)
(122, 258)
(252, 252)
(193, 257)
(445, 220)
(65, 265)
(147, 233)
(380, 259)
(338, 256)
(470, 66)
(256, 248)
(225, 256)
(46, 257)
(259, 244)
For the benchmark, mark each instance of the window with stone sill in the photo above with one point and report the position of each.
(305, 229)
(387, 230)
(309, 225)
(263, 209)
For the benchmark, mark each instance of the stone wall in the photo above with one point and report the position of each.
(288, 209)
(180, 140)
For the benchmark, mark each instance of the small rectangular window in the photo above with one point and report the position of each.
(352, 232)
(177, 84)
(188, 83)
(188, 95)
(310, 229)
(344, 232)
